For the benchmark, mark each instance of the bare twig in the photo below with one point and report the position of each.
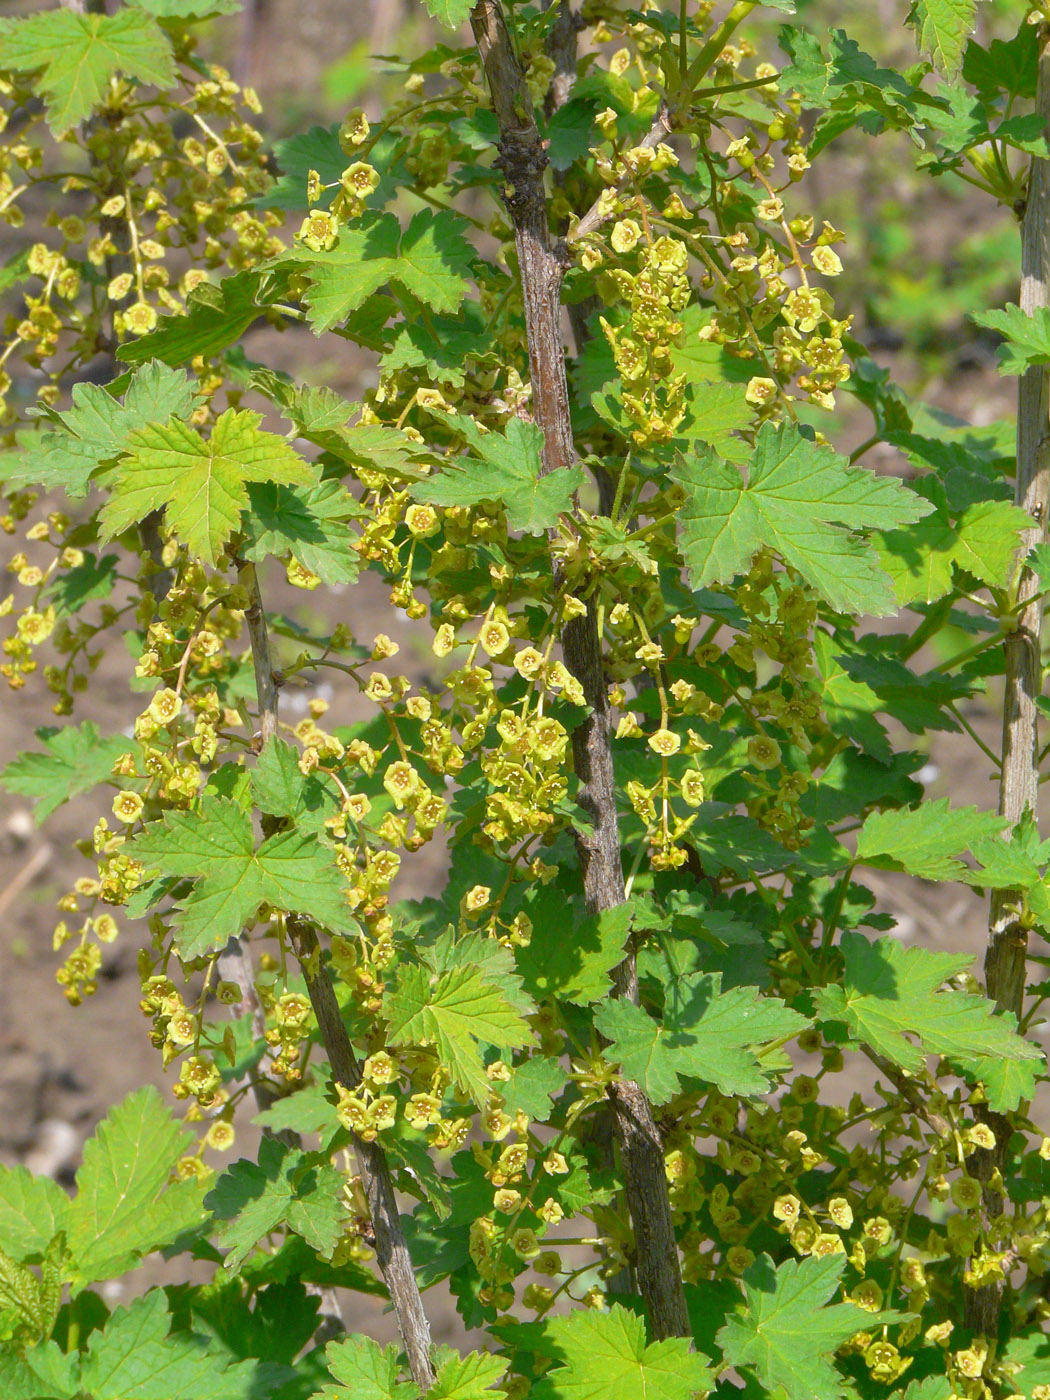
(395, 1263)
(522, 159)
(1005, 959)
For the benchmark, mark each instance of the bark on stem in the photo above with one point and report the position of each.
(395, 1263)
(1005, 959)
(523, 160)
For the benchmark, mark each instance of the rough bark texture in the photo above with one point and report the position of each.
(392, 1254)
(1005, 959)
(522, 159)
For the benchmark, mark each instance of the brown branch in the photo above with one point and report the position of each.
(1006, 956)
(392, 1254)
(599, 212)
(522, 159)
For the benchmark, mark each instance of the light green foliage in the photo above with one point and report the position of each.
(458, 1008)
(77, 54)
(216, 847)
(124, 1205)
(99, 427)
(451, 13)
(429, 261)
(284, 1188)
(366, 1371)
(926, 841)
(201, 484)
(605, 1357)
(890, 993)
(216, 316)
(569, 778)
(309, 522)
(704, 1034)
(1026, 336)
(507, 470)
(800, 500)
(786, 1333)
(76, 759)
(942, 28)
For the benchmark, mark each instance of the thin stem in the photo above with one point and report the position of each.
(395, 1263)
(522, 159)
(1005, 961)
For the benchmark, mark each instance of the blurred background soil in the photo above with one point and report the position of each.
(919, 257)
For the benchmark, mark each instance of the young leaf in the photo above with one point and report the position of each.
(606, 1358)
(982, 541)
(704, 1034)
(309, 522)
(200, 483)
(430, 261)
(925, 841)
(942, 28)
(285, 1187)
(787, 1332)
(366, 1371)
(98, 428)
(508, 472)
(136, 1356)
(215, 317)
(77, 758)
(291, 870)
(1027, 336)
(33, 1209)
(460, 1009)
(451, 13)
(188, 9)
(79, 53)
(124, 1206)
(465, 1377)
(890, 993)
(802, 500)
(570, 957)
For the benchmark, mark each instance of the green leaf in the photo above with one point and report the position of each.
(188, 9)
(215, 317)
(42, 1373)
(983, 542)
(77, 759)
(704, 1034)
(570, 957)
(605, 1357)
(124, 1206)
(285, 1187)
(465, 1377)
(307, 522)
(99, 427)
(215, 844)
(802, 500)
(1009, 65)
(456, 1010)
(33, 1209)
(890, 993)
(135, 1358)
(94, 578)
(367, 1371)
(281, 790)
(942, 28)
(305, 1110)
(508, 472)
(430, 261)
(80, 53)
(451, 13)
(926, 841)
(787, 1332)
(200, 483)
(531, 1087)
(1027, 336)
